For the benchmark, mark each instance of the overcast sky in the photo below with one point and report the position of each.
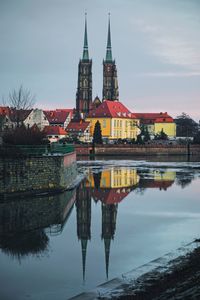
(156, 45)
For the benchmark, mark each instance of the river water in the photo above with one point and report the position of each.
(123, 214)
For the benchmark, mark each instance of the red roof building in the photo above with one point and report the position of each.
(111, 109)
(54, 133)
(157, 122)
(80, 130)
(59, 117)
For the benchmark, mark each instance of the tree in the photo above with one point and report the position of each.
(185, 126)
(20, 100)
(196, 139)
(24, 136)
(144, 135)
(161, 136)
(97, 135)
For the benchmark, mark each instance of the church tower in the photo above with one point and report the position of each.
(84, 87)
(110, 82)
(83, 214)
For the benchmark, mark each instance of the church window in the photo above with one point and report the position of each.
(104, 123)
(85, 83)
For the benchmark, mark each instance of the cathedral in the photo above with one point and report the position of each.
(84, 102)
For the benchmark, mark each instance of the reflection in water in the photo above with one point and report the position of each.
(83, 212)
(26, 223)
(23, 223)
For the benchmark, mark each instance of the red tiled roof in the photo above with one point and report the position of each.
(58, 115)
(111, 109)
(161, 184)
(15, 114)
(4, 110)
(19, 114)
(54, 130)
(147, 118)
(77, 126)
(110, 196)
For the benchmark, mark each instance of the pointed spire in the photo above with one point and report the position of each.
(109, 48)
(85, 46)
(84, 249)
(107, 253)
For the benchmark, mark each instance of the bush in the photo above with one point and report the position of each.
(24, 136)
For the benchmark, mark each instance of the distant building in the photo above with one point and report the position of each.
(5, 122)
(156, 122)
(110, 82)
(54, 133)
(84, 87)
(36, 117)
(80, 130)
(115, 119)
(59, 117)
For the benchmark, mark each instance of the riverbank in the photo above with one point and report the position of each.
(173, 276)
(38, 170)
(137, 150)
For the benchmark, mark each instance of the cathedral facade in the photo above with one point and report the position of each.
(84, 103)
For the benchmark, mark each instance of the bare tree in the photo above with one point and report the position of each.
(20, 101)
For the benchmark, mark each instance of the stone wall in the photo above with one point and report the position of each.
(33, 213)
(37, 174)
(143, 150)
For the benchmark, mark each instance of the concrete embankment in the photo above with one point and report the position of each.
(137, 150)
(173, 276)
(37, 174)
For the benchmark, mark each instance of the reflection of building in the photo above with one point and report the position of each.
(83, 209)
(24, 223)
(114, 184)
(109, 216)
(157, 179)
(110, 187)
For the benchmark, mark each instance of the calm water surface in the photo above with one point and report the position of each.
(123, 214)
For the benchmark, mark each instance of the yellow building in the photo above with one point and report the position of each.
(156, 122)
(115, 178)
(117, 122)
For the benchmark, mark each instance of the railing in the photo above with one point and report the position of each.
(34, 150)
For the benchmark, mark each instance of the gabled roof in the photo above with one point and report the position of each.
(111, 195)
(80, 126)
(54, 130)
(161, 117)
(19, 114)
(58, 115)
(111, 109)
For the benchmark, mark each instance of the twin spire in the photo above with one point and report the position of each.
(85, 45)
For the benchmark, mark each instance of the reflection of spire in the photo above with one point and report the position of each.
(107, 254)
(84, 249)
(83, 209)
(109, 216)
(97, 180)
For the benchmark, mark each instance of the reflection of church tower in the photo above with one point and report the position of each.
(109, 216)
(83, 209)
(110, 82)
(84, 88)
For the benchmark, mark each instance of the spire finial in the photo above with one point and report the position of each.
(85, 46)
(109, 48)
